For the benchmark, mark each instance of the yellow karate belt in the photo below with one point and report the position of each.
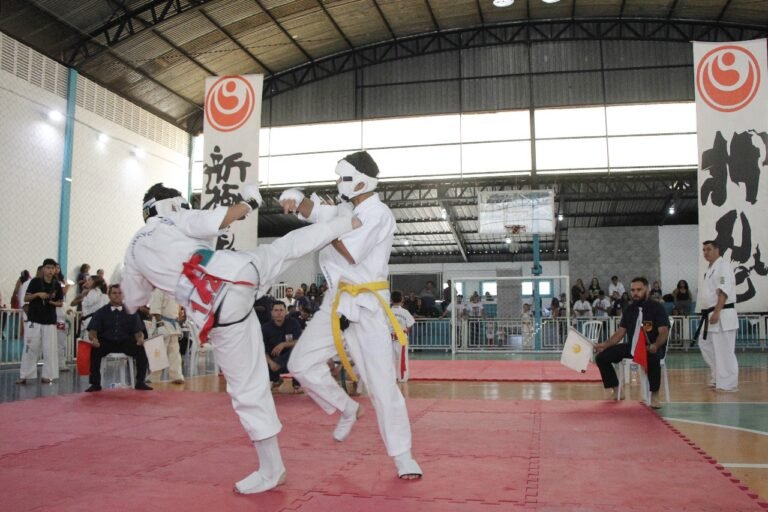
(354, 290)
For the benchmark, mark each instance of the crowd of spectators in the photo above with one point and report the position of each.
(595, 302)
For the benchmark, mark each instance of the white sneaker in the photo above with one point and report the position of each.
(346, 422)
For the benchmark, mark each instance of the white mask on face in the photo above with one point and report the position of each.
(164, 207)
(350, 179)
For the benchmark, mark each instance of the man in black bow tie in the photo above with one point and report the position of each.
(112, 329)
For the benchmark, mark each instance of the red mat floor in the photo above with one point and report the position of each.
(499, 371)
(126, 450)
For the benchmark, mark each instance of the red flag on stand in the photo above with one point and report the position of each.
(640, 354)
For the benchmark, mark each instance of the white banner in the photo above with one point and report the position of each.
(732, 126)
(231, 150)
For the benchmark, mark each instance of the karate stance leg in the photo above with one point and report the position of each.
(50, 352)
(370, 347)
(308, 363)
(726, 364)
(708, 354)
(33, 340)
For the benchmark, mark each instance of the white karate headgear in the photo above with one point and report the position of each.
(161, 201)
(354, 169)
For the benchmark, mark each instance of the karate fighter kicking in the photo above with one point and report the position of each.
(356, 270)
(174, 252)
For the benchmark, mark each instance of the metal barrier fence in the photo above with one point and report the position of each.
(12, 336)
(516, 334)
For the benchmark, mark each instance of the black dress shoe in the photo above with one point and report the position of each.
(143, 387)
(93, 388)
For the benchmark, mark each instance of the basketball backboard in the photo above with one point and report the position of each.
(516, 212)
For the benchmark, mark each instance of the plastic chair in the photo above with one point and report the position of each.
(592, 330)
(195, 350)
(625, 369)
(120, 358)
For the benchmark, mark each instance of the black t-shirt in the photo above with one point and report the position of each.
(115, 326)
(273, 335)
(654, 316)
(40, 310)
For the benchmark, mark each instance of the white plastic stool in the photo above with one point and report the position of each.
(120, 358)
(625, 369)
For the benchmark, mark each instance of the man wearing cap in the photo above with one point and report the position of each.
(356, 270)
(44, 295)
(716, 333)
(174, 252)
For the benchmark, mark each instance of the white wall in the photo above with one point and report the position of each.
(679, 252)
(108, 182)
(30, 178)
(108, 186)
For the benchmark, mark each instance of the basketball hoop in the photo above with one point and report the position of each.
(515, 229)
(515, 234)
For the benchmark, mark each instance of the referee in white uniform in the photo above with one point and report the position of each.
(717, 330)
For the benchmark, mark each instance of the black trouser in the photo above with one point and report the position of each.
(608, 357)
(127, 347)
(282, 360)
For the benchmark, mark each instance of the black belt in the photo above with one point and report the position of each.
(704, 321)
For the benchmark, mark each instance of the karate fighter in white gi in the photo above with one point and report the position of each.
(356, 270)
(174, 252)
(717, 293)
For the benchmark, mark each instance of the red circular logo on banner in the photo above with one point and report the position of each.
(229, 103)
(728, 78)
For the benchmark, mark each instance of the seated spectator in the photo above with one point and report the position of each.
(446, 297)
(601, 305)
(615, 289)
(582, 308)
(113, 330)
(411, 303)
(489, 297)
(576, 291)
(618, 306)
(428, 290)
(302, 301)
(682, 298)
(656, 293)
(289, 300)
(594, 288)
(263, 307)
(280, 336)
(302, 316)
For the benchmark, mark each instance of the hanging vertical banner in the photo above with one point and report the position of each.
(231, 150)
(732, 129)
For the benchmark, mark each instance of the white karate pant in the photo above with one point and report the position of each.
(171, 342)
(239, 347)
(370, 347)
(39, 337)
(719, 352)
(398, 353)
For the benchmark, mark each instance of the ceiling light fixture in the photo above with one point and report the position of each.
(503, 3)
(550, 1)
(560, 217)
(55, 116)
(672, 210)
(406, 242)
(103, 138)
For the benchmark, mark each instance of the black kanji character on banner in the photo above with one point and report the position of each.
(724, 227)
(742, 165)
(715, 160)
(218, 187)
(744, 162)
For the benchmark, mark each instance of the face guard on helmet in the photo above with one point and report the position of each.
(353, 170)
(161, 201)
